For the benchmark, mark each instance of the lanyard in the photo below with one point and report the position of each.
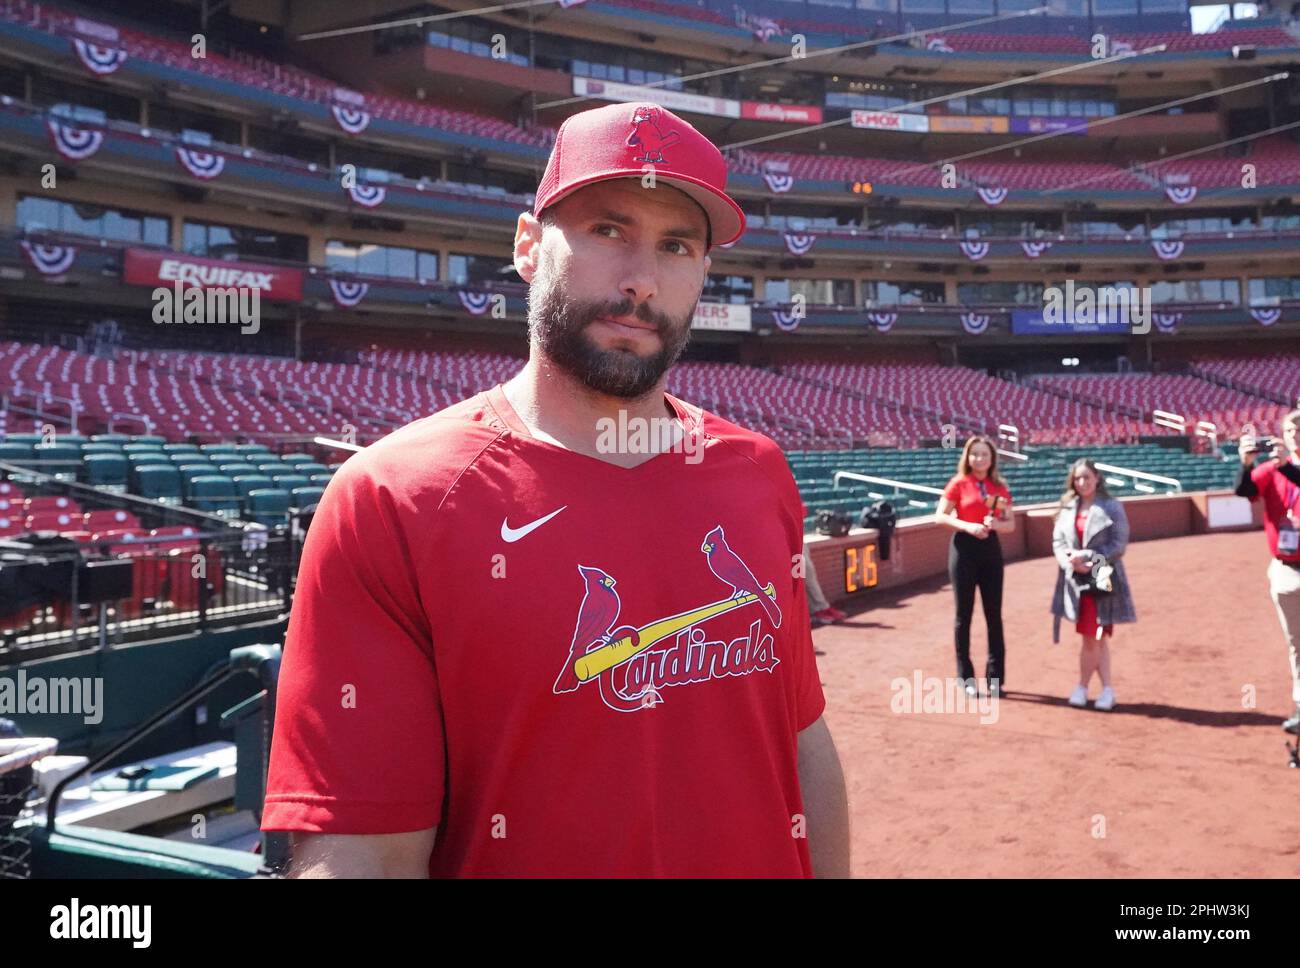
(984, 489)
(1292, 492)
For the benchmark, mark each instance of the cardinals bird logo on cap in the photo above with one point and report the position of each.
(649, 136)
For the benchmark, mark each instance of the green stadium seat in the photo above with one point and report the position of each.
(101, 447)
(158, 482)
(309, 469)
(305, 497)
(106, 470)
(320, 480)
(290, 481)
(110, 439)
(297, 459)
(248, 450)
(62, 459)
(153, 439)
(269, 506)
(235, 469)
(245, 484)
(215, 494)
(180, 448)
(15, 452)
(271, 467)
(190, 473)
(31, 440)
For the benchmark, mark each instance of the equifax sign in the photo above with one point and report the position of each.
(146, 267)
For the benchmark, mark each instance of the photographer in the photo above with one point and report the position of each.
(976, 504)
(1276, 481)
(1094, 594)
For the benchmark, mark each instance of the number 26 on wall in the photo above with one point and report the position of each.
(860, 568)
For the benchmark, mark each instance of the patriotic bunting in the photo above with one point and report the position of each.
(1180, 194)
(74, 143)
(475, 302)
(938, 44)
(788, 322)
(49, 260)
(883, 322)
(98, 59)
(353, 120)
(778, 182)
(1168, 322)
(975, 323)
(201, 164)
(1266, 315)
(348, 294)
(992, 196)
(975, 250)
(1035, 249)
(1168, 248)
(799, 243)
(368, 195)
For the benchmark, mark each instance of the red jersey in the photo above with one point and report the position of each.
(567, 666)
(1280, 496)
(972, 501)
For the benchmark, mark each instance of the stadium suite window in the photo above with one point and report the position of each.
(35, 212)
(1196, 291)
(395, 262)
(880, 6)
(728, 289)
(821, 292)
(999, 293)
(464, 268)
(242, 242)
(1270, 288)
(1113, 7)
(879, 292)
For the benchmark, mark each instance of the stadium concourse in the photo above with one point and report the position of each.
(1185, 778)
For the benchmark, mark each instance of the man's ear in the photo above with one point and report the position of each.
(528, 243)
(708, 261)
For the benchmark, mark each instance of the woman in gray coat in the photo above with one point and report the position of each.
(1090, 523)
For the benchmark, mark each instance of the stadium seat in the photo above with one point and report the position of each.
(309, 468)
(232, 470)
(15, 453)
(297, 459)
(214, 494)
(52, 521)
(158, 482)
(247, 483)
(106, 470)
(290, 481)
(320, 480)
(11, 491)
(51, 502)
(269, 506)
(305, 497)
(102, 447)
(96, 521)
(120, 439)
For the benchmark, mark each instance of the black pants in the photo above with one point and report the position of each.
(974, 563)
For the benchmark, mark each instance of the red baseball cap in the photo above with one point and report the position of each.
(620, 140)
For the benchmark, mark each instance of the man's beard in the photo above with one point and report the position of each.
(559, 325)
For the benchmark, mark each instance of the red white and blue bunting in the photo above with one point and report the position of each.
(475, 302)
(778, 182)
(348, 294)
(369, 196)
(1167, 322)
(992, 197)
(1266, 315)
(49, 260)
(74, 143)
(353, 120)
(938, 44)
(975, 250)
(206, 165)
(799, 243)
(975, 323)
(1180, 194)
(1168, 248)
(788, 322)
(1034, 249)
(98, 59)
(883, 322)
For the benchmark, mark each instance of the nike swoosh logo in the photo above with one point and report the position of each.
(510, 535)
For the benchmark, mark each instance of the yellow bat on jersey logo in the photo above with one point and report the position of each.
(636, 641)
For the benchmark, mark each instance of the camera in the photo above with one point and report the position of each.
(884, 519)
(835, 524)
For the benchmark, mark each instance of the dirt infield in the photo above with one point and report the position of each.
(1182, 779)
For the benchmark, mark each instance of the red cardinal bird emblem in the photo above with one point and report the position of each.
(728, 566)
(649, 137)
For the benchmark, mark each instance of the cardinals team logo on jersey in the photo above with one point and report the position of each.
(647, 135)
(630, 673)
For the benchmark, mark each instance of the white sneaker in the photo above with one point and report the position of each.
(1079, 697)
(1106, 700)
